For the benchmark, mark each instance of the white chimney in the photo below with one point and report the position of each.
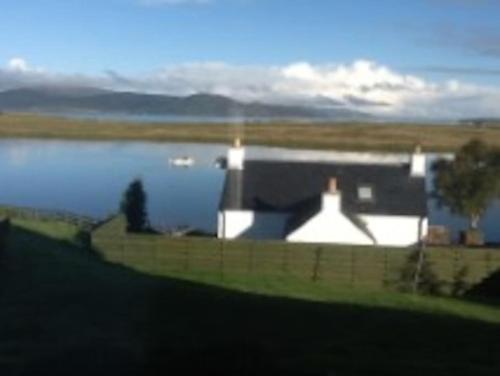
(236, 156)
(332, 197)
(418, 163)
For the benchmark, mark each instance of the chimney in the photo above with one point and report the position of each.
(236, 156)
(332, 197)
(332, 186)
(418, 163)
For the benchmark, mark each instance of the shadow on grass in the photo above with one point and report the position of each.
(487, 291)
(65, 312)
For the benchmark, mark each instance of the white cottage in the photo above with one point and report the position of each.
(324, 202)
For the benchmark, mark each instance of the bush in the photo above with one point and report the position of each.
(419, 278)
(488, 288)
(83, 239)
(134, 207)
(460, 286)
(4, 231)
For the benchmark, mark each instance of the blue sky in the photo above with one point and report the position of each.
(433, 40)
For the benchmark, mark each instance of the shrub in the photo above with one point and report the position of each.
(4, 231)
(134, 207)
(417, 275)
(487, 288)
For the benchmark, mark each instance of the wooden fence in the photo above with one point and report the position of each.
(346, 266)
(81, 221)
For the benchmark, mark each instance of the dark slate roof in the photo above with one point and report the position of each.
(282, 186)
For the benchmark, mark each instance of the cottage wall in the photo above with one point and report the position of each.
(330, 227)
(325, 227)
(396, 231)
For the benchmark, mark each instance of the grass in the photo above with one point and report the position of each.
(65, 311)
(340, 267)
(340, 136)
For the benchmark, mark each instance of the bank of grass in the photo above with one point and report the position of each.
(339, 136)
(336, 267)
(66, 311)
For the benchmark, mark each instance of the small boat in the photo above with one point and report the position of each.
(181, 161)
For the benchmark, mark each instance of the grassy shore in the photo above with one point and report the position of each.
(339, 136)
(65, 311)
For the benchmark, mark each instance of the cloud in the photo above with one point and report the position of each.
(364, 85)
(484, 41)
(362, 102)
(452, 70)
(19, 65)
(480, 40)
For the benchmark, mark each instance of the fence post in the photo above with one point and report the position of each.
(122, 246)
(488, 262)
(455, 262)
(317, 262)
(385, 283)
(187, 254)
(420, 264)
(284, 265)
(251, 249)
(353, 267)
(221, 258)
(152, 259)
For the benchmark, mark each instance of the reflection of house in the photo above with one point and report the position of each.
(324, 202)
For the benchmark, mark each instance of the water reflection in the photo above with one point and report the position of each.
(89, 178)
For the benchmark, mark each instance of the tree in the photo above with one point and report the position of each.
(469, 183)
(134, 207)
(417, 275)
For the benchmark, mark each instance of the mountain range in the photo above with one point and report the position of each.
(87, 99)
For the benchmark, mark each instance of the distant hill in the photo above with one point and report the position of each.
(481, 122)
(67, 99)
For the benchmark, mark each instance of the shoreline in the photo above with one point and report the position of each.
(359, 136)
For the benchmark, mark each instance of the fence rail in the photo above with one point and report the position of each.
(49, 215)
(372, 268)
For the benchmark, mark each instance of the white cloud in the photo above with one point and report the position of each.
(363, 85)
(18, 64)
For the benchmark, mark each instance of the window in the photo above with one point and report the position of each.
(365, 193)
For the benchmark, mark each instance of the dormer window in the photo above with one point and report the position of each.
(365, 193)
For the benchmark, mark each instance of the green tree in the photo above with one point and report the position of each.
(468, 184)
(134, 207)
(418, 276)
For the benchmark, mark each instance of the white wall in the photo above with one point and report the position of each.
(330, 227)
(326, 227)
(234, 224)
(396, 231)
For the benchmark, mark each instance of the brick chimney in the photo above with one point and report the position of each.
(331, 199)
(332, 186)
(236, 156)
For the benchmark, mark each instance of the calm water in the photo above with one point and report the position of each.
(89, 178)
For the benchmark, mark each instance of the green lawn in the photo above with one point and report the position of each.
(251, 263)
(67, 312)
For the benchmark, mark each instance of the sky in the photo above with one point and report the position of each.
(422, 58)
